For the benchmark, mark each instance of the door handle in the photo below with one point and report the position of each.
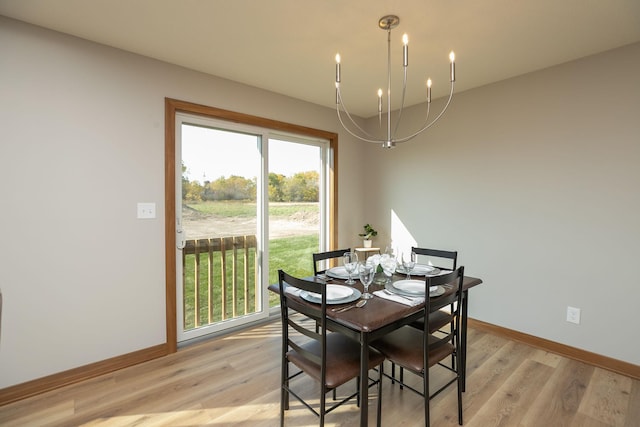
(180, 240)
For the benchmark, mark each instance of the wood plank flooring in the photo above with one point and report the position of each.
(234, 381)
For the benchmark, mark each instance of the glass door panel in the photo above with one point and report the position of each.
(296, 227)
(219, 208)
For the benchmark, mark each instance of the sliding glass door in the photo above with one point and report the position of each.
(248, 201)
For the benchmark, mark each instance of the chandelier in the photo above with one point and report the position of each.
(387, 23)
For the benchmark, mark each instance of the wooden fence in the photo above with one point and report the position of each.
(219, 279)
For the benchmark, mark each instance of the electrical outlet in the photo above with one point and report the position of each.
(573, 315)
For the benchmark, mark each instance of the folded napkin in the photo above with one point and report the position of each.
(397, 298)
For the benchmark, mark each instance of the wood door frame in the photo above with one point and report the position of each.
(173, 106)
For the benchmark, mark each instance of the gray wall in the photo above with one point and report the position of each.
(82, 143)
(536, 181)
(524, 178)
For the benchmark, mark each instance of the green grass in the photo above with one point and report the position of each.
(224, 208)
(292, 254)
(248, 209)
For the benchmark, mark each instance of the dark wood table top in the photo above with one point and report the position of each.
(380, 312)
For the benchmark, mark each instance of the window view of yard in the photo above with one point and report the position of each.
(293, 238)
(220, 217)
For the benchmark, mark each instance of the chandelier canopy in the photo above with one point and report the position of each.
(388, 23)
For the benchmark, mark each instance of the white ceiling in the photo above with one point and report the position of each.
(288, 46)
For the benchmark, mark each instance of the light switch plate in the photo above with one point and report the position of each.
(146, 210)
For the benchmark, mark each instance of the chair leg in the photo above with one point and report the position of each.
(401, 377)
(286, 383)
(380, 376)
(284, 387)
(281, 406)
(393, 373)
(425, 384)
(323, 397)
(460, 385)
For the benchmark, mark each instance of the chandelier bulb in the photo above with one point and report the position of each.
(405, 50)
(452, 58)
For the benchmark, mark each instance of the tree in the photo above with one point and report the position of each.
(302, 187)
(191, 191)
(232, 188)
(276, 187)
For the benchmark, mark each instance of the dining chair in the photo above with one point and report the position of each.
(445, 260)
(321, 256)
(440, 318)
(449, 258)
(330, 358)
(419, 350)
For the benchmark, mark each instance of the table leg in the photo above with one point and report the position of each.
(364, 379)
(463, 340)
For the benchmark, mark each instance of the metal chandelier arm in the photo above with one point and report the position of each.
(406, 138)
(404, 89)
(340, 103)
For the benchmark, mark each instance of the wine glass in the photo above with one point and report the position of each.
(389, 265)
(366, 272)
(408, 263)
(350, 261)
(388, 250)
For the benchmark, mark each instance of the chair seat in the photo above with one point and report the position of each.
(343, 359)
(404, 347)
(437, 320)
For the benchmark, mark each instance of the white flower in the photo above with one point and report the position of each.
(374, 260)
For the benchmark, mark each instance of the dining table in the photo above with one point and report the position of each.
(382, 315)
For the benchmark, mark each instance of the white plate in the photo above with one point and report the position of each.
(335, 292)
(340, 273)
(434, 291)
(420, 270)
(317, 300)
(415, 287)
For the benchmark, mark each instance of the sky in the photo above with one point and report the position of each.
(210, 154)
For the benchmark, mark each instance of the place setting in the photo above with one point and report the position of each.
(409, 292)
(421, 270)
(347, 270)
(335, 294)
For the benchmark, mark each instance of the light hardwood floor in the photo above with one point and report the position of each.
(234, 381)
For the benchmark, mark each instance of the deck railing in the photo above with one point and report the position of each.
(219, 279)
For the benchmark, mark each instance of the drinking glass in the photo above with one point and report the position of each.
(389, 265)
(389, 251)
(350, 261)
(366, 273)
(409, 262)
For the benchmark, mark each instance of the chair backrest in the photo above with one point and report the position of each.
(440, 256)
(306, 330)
(321, 256)
(454, 280)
